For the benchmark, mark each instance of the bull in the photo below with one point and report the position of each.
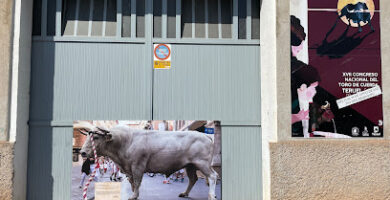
(143, 151)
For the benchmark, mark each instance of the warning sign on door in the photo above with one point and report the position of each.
(162, 56)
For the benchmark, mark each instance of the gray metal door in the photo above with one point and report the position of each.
(92, 59)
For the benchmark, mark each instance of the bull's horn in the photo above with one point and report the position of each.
(82, 131)
(326, 106)
(102, 130)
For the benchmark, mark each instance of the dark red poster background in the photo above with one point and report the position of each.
(352, 52)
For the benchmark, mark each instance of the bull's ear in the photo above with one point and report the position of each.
(108, 137)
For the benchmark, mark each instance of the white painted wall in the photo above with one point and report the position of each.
(268, 87)
(19, 115)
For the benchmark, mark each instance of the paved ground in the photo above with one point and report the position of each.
(152, 188)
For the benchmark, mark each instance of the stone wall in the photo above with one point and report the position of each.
(330, 170)
(6, 170)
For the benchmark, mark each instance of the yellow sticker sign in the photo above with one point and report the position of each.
(162, 56)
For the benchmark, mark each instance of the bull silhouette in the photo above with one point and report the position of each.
(345, 43)
(357, 13)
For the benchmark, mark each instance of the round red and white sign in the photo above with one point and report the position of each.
(162, 52)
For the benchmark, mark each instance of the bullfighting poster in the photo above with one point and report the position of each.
(147, 160)
(336, 68)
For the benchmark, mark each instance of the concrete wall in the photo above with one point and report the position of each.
(6, 172)
(6, 8)
(268, 87)
(15, 51)
(20, 98)
(6, 148)
(319, 168)
(330, 170)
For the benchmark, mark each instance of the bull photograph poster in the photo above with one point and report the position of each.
(336, 69)
(147, 160)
